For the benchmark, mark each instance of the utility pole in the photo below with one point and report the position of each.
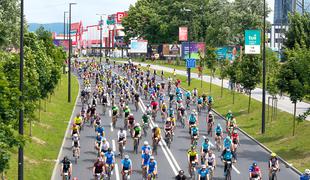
(264, 72)
(70, 51)
(100, 24)
(21, 97)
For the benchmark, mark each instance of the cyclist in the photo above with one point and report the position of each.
(145, 147)
(211, 160)
(126, 111)
(306, 175)
(273, 164)
(136, 133)
(131, 121)
(76, 144)
(203, 173)
(156, 133)
(152, 167)
(231, 124)
(109, 159)
(75, 130)
(100, 130)
(145, 118)
(210, 121)
(255, 171)
(194, 133)
(205, 147)
(145, 159)
(168, 127)
(229, 115)
(199, 103)
(98, 142)
(98, 168)
(114, 111)
(195, 94)
(148, 110)
(171, 97)
(105, 145)
(181, 176)
(154, 105)
(227, 142)
(163, 108)
(78, 120)
(66, 167)
(192, 157)
(226, 156)
(126, 165)
(235, 139)
(192, 120)
(188, 98)
(171, 112)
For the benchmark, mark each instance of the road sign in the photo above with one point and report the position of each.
(110, 22)
(190, 63)
(183, 33)
(252, 41)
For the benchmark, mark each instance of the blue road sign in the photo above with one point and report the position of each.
(190, 63)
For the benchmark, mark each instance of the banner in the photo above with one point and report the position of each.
(138, 46)
(183, 33)
(62, 43)
(119, 17)
(171, 50)
(197, 50)
(252, 41)
(228, 52)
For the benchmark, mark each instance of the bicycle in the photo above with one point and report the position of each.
(137, 105)
(211, 172)
(210, 128)
(218, 143)
(108, 171)
(168, 139)
(66, 176)
(192, 169)
(145, 128)
(76, 154)
(151, 176)
(155, 145)
(126, 175)
(121, 148)
(228, 170)
(98, 176)
(273, 175)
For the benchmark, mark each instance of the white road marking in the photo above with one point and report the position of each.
(168, 158)
(113, 145)
(116, 171)
(110, 113)
(237, 171)
(111, 127)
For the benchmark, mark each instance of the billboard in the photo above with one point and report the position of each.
(252, 42)
(119, 17)
(183, 33)
(171, 50)
(197, 49)
(228, 52)
(138, 46)
(61, 42)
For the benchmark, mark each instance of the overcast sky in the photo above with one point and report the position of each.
(49, 11)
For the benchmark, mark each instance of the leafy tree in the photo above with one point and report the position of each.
(294, 76)
(211, 62)
(232, 74)
(249, 73)
(223, 72)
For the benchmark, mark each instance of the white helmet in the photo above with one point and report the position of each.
(155, 125)
(146, 143)
(210, 113)
(137, 124)
(307, 171)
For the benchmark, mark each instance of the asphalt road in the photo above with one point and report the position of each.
(169, 160)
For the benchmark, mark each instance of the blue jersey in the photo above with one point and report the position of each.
(99, 139)
(152, 166)
(126, 163)
(305, 177)
(109, 156)
(203, 173)
(146, 158)
(194, 131)
(100, 130)
(218, 129)
(192, 119)
(177, 90)
(188, 94)
(206, 146)
(143, 148)
(228, 156)
(199, 100)
(227, 143)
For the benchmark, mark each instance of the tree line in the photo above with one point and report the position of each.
(42, 72)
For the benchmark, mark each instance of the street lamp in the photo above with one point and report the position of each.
(70, 49)
(101, 22)
(189, 47)
(21, 97)
(264, 72)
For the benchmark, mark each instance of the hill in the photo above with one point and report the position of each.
(52, 27)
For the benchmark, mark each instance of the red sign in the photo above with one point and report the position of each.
(119, 17)
(75, 26)
(182, 33)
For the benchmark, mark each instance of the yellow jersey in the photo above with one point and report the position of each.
(77, 120)
(157, 132)
(192, 153)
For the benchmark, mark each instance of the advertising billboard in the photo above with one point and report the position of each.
(119, 17)
(252, 42)
(171, 50)
(228, 52)
(183, 33)
(138, 46)
(197, 50)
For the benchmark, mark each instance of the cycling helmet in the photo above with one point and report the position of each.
(210, 113)
(235, 131)
(152, 158)
(168, 119)
(218, 125)
(229, 111)
(203, 166)
(193, 147)
(273, 154)
(228, 149)
(155, 125)
(126, 156)
(146, 151)
(254, 164)
(207, 139)
(210, 152)
(307, 171)
(181, 172)
(104, 139)
(131, 115)
(109, 149)
(98, 134)
(126, 107)
(137, 124)
(146, 143)
(75, 135)
(227, 137)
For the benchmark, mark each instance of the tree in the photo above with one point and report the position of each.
(223, 72)
(211, 62)
(249, 73)
(232, 74)
(294, 76)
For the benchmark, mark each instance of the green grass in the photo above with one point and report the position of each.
(278, 136)
(40, 155)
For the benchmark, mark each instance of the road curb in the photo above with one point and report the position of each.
(67, 131)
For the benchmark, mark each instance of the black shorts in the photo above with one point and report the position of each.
(126, 168)
(218, 134)
(192, 158)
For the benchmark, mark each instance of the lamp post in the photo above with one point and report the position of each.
(264, 72)
(70, 49)
(101, 22)
(21, 98)
(189, 48)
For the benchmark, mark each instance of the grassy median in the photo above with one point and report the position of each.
(47, 134)
(278, 136)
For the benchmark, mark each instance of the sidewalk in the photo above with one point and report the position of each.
(284, 102)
